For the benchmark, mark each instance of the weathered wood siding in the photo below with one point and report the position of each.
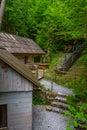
(19, 110)
(30, 57)
(12, 81)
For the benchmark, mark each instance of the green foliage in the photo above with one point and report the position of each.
(50, 23)
(78, 102)
(54, 61)
(79, 116)
(37, 99)
(40, 96)
(16, 19)
(69, 125)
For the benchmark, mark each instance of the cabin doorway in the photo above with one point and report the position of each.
(3, 116)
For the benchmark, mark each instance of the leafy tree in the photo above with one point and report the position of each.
(16, 19)
(50, 23)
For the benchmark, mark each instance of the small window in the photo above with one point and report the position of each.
(25, 59)
(3, 116)
(36, 59)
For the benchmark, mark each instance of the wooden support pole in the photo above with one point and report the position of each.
(51, 85)
(2, 8)
(37, 74)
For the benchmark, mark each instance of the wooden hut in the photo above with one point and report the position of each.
(16, 84)
(23, 48)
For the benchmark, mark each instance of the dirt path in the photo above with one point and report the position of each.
(56, 88)
(45, 120)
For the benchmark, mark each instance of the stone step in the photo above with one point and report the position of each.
(62, 94)
(60, 105)
(55, 109)
(60, 99)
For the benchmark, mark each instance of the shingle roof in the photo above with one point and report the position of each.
(17, 44)
(18, 66)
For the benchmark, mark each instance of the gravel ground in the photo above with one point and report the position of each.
(45, 120)
(56, 88)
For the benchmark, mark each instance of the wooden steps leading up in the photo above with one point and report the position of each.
(70, 61)
(55, 109)
(59, 105)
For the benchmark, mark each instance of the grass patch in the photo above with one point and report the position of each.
(40, 96)
(68, 80)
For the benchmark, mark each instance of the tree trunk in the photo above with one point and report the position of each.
(2, 8)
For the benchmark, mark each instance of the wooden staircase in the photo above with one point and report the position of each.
(59, 105)
(71, 60)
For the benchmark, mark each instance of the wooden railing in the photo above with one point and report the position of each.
(70, 60)
(73, 57)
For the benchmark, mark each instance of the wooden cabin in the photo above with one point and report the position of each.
(23, 48)
(16, 85)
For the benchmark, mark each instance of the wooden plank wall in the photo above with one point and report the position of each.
(10, 80)
(19, 110)
(22, 56)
